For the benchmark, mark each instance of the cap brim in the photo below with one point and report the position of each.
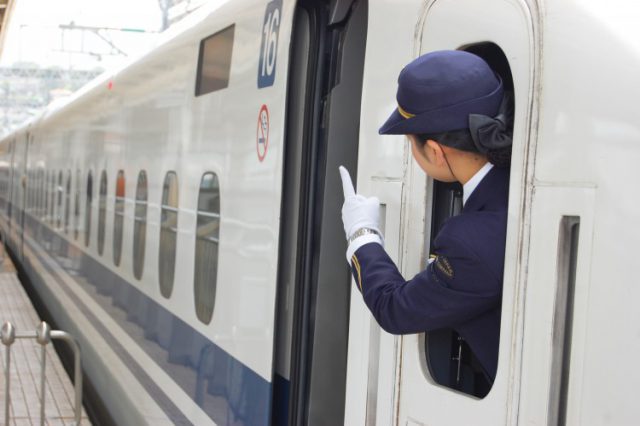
(393, 122)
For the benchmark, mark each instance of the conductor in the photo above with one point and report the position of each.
(458, 119)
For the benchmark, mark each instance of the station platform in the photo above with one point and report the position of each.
(25, 364)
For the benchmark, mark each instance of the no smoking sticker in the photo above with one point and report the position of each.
(262, 133)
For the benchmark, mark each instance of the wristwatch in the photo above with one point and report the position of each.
(364, 231)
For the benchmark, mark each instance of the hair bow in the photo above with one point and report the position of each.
(491, 133)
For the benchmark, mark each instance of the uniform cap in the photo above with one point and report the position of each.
(439, 90)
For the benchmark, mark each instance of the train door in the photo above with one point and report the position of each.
(323, 113)
(439, 383)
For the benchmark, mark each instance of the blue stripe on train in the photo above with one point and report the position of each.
(227, 390)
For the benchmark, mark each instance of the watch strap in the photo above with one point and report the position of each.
(364, 231)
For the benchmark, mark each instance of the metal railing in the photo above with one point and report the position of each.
(43, 335)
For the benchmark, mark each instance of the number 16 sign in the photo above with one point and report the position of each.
(269, 45)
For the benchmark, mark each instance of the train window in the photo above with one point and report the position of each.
(118, 218)
(31, 185)
(52, 192)
(52, 199)
(31, 188)
(27, 195)
(140, 225)
(3, 184)
(37, 193)
(43, 193)
(45, 207)
(7, 191)
(28, 192)
(102, 211)
(3, 188)
(87, 210)
(168, 234)
(207, 241)
(25, 188)
(43, 179)
(67, 203)
(448, 356)
(76, 207)
(214, 62)
(59, 193)
(34, 191)
(40, 193)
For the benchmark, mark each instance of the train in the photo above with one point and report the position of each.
(180, 217)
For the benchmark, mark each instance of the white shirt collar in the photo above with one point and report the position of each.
(470, 186)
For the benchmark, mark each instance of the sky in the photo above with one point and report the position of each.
(34, 34)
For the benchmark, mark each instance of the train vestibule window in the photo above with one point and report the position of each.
(214, 62)
(448, 357)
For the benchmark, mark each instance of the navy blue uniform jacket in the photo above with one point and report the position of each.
(461, 289)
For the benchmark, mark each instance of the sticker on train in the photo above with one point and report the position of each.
(262, 133)
(269, 45)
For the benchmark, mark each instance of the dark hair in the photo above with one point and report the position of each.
(462, 140)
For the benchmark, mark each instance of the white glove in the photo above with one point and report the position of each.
(358, 211)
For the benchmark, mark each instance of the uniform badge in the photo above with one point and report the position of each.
(444, 266)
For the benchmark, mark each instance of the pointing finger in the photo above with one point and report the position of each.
(347, 185)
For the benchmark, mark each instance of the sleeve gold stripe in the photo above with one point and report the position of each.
(356, 264)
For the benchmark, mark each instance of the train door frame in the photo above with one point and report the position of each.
(327, 65)
(449, 359)
(513, 26)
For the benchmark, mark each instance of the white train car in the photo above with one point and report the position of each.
(181, 217)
